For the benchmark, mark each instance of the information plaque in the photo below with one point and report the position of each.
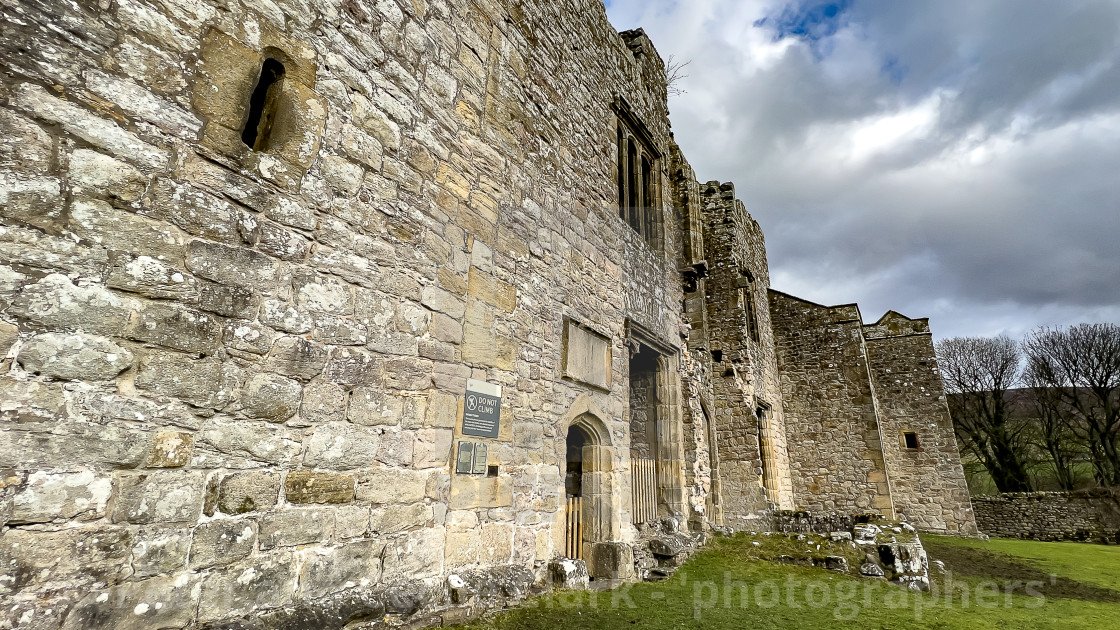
(471, 459)
(482, 409)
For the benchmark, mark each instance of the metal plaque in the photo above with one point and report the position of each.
(482, 409)
(465, 462)
(479, 459)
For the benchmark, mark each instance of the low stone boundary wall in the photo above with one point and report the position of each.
(1085, 515)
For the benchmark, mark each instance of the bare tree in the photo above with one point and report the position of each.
(675, 74)
(978, 372)
(1082, 366)
(1054, 434)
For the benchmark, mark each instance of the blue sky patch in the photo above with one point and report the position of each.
(807, 20)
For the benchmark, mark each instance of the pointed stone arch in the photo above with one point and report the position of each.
(585, 429)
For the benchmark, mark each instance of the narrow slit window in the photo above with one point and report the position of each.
(910, 440)
(622, 210)
(262, 106)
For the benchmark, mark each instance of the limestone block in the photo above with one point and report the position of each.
(141, 103)
(463, 548)
(9, 334)
(248, 491)
(297, 526)
(485, 347)
(45, 497)
(158, 497)
(261, 582)
(386, 485)
(324, 402)
(568, 574)
(290, 211)
(74, 557)
(228, 301)
(195, 212)
(178, 328)
(224, 264)
(373, 406)
(329, 570)
(97, 174)
(446, 329)
(256, 441)
(74, 357)
(416, 556)
(160, 602)
(248, 336)
(151, 278)
(433, 448)
(170, 449)
(122, 231)
(23, 144)
(397, 448)
(222, 541)
(350, 367)
(160, 551)
(351, 521)
(341, 446)
(443, 301)
(612, 561)
(497, 543)
(199, 382)
(271, 397)
(492, 291)
(55, 302)
(306, 486)
(297, 358)
(408, 374)
(84, 124)
(285, 317)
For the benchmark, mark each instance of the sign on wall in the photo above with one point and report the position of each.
(482, 409)
(471, 459)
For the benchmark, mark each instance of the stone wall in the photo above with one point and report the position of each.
(1085, 515)
(835, 449)
(927, 482)
(744, 372)
(234, 375)
(251, 253)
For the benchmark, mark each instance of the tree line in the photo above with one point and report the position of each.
(1051, 399)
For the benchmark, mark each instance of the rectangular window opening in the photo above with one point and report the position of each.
(910, 439)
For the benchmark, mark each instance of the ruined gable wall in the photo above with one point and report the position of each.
(835, 453)
(927, 484)
(241, 372)
(746, 374)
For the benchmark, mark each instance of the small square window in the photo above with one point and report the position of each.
(910, 439)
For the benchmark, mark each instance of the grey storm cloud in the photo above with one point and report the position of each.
(952, 159)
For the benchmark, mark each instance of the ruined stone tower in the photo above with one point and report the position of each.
(314, 311)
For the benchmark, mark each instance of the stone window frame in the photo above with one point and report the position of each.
(568, 322)
(745, 300)
(638, 172)
(768, 477)
(904, 439)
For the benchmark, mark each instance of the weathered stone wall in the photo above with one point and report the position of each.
(745, 374)
(927, 483)
(1087, 515)
(235, 377)
(233, 368)
(835, 451)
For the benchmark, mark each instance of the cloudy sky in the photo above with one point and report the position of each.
(951, 159)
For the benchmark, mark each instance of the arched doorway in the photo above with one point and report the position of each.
(587, 486)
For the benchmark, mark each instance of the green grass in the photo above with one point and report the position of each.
(707, 592)
(1092, 564)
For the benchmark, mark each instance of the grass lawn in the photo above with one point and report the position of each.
(994, 584)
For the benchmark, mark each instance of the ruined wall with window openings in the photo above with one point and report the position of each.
(252, 252)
